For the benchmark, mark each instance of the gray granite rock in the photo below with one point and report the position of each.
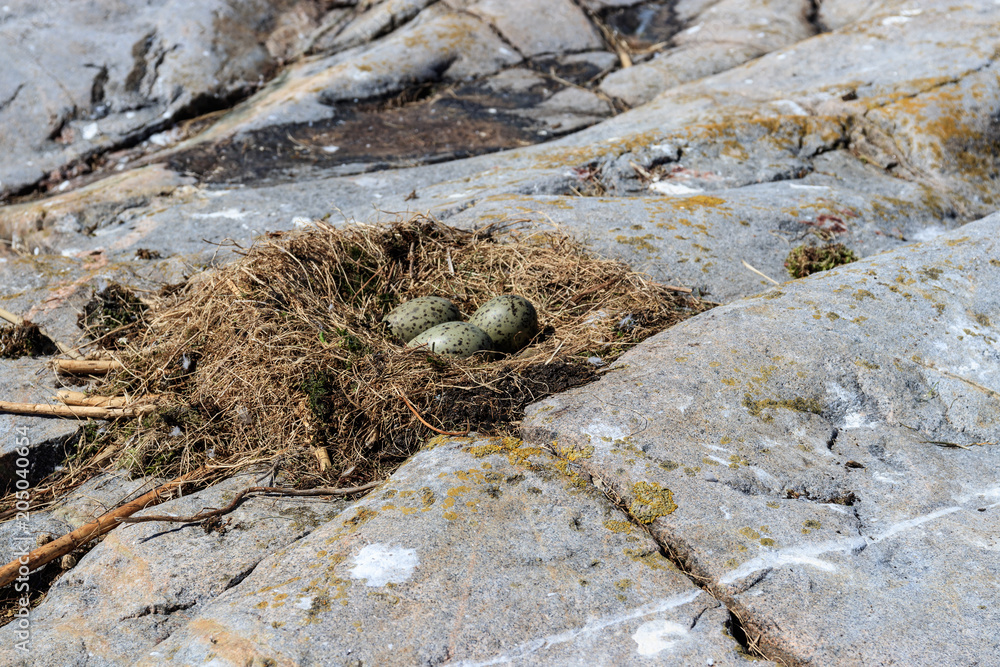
(534, 28)
(818, 458)
(899, 155)
(81, 506)
(82, 78)
(475, 552)
(27, 380)
(143, 581)
(829, 451)
(722, 36)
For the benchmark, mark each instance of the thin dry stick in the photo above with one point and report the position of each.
(11, 317)
(84, 534)
(81, 398)
(424, 422)
(201, 516)
(83, 411)
(759, 273)
(596, 288)
(85, 367)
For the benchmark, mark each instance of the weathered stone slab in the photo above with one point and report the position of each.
(145, 580)
(722, 36)
(533, 28)
(475, 552)
(85, 503)
(703, 240)
(27, 380)
(823, 455)
(82, 78)
(912, 155)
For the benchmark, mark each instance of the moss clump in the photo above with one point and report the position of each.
(651, 502)
(24, 340)
(799, 404)
(112, 309)
(805, 260)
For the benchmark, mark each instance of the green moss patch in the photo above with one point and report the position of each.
(113, 309)
(805, 260)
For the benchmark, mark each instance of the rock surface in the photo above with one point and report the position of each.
(814, 462)
(476, 552)
(828, 446)
(158, 575)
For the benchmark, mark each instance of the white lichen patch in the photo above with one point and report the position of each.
(380, 564)
(304, 603)
(910, 524)
(665, 188)
(594, 627)
(653, 637)
(229, 214)
(807, 555)
(856, 420)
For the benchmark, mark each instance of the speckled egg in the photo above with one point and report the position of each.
(454, 339)
(418, 315)
(511, 321)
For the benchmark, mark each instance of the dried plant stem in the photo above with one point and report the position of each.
(81, 411)
(323, 457)
(759, 273)
(11, 317)
(86, 367)
(279, 490)
(424, 421)
(84, 534)
(81, 398)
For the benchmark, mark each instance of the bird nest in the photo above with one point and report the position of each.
(282, 358)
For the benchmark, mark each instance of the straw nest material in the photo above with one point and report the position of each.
(283, 351)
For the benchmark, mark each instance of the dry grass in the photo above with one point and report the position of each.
(284, 350)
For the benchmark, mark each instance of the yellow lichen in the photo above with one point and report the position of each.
(618, 526)
(651, 501)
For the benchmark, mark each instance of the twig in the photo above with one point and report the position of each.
(642, 171)
(672, 288)
(555, 352)
(759, 273)
(374, 276)
(83, 411)
(943, 443)
(208, 514)
(69, 397)
(11, 317)
(596, 288)
(84, 534)
(424, 422)
(85, 367)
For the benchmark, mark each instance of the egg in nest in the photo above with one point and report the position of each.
(418, 315)
(453, 339)
(509, 320)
